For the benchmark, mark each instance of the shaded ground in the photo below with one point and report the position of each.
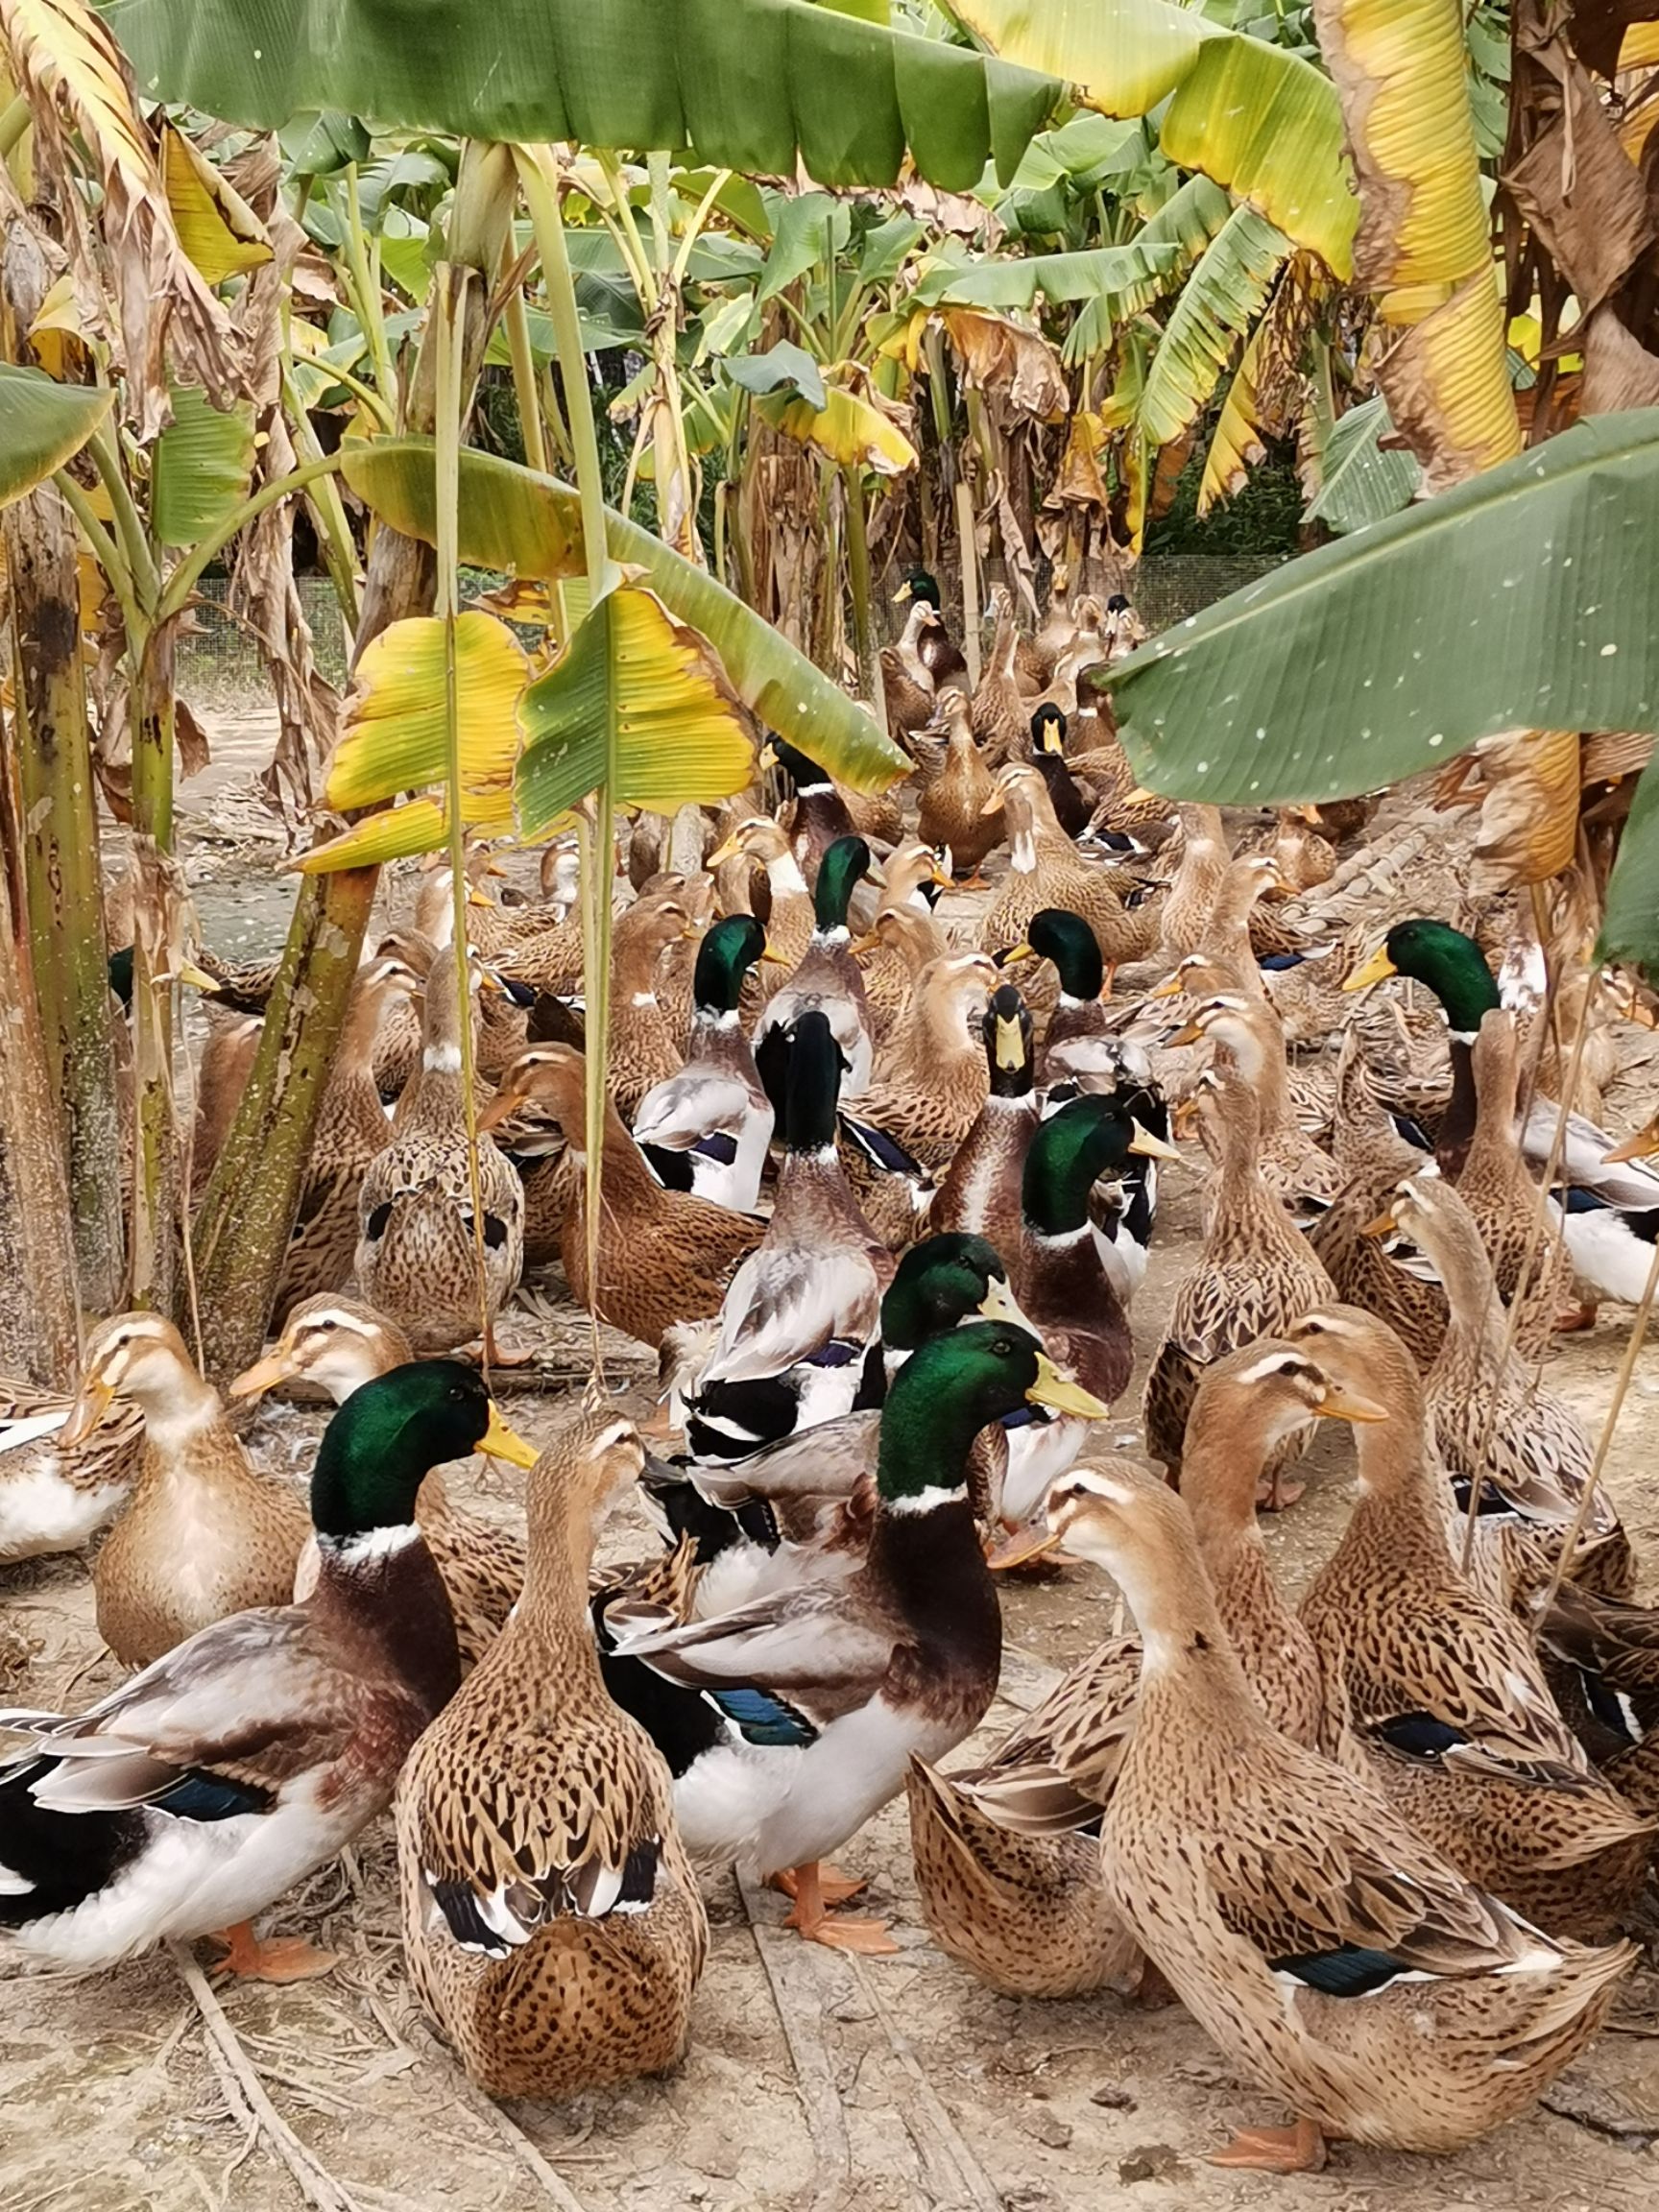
(901, 2082)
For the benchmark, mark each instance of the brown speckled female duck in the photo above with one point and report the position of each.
(203, 1533)
(1447, 1705)
(551, 1919)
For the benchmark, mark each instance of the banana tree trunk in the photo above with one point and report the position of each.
(247, 1212)
(63, 881)
(156, 1184)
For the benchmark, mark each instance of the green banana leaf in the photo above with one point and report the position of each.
(1218, 303)
(1364, 481)
(1630, 927)
(204, 464)
(752, 84)
(512, 518)
(1111, 270)
(1521, 599)
(41, 424)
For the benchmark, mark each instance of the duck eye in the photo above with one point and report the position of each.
(329, 1324)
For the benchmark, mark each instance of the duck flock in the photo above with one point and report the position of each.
(889, 1090)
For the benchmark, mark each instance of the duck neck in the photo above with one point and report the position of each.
(1457, 1125)
(384, 1592)
(439, 1083)
(553, 1614)
(1187, 1661)
(182, 1413)
(1399, 1505)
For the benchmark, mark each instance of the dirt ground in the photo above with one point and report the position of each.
(813, 2079)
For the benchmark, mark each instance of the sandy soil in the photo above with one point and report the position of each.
(813, 2080)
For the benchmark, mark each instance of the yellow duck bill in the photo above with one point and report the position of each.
(1062, 1395)
(1377, 970)
(501, 1442)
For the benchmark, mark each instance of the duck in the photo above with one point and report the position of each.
(955, 810)
(643, 1047)
(1518, 1225)
(420, 1258)
(192, 1797)
(227, 1056)
(1254, 1275)
(980, 1191)
(1333, 1955)
(706, 1128)
(1527, 1449)
(1601, 1658)
(339, 1344)
(1062, 1286)
(1299, 1172)
(1047, 870)
(999, 713)
(1007, 1852)
(936, 649)
(816, 814)
(931, 1079)
(1073, 808)
(1184, 925)
(202, 1533)
(902, 941)
(825, 1689)
(1372, 1157)
(551, 1919)
(828, 976)
(802, 1308)
(907, 682)
(351, 1130)
(1448, 1709)
(665, 1256)
(1079, 1046)
(54, 1496)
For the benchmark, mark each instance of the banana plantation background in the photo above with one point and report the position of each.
(553, 394)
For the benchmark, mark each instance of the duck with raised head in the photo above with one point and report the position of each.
(828, 978)
(1047, 870)
(551, 1918)
(1252, 1278)
(826, 1689)
(644, 1049)
(758, 842)
(980, 1193)
(1529, 1451)
(937, 650)
(906, 681)
(955, 810)
(338, 1344)
(664, 1255)
(1447, 1705)
(1001, 717)
(1072, 806)
(418, 1249)
(706, 1128)
(203, 1532)
(1008, 1853)
(1330, 1951)
(196, 1795)
(1301, 1174)
(802, 1308)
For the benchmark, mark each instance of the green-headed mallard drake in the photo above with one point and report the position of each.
(664, 1255)
(824, 1689)
(193, 1796)
(801, 1309)
(1445, 1702)
(418, 1254)
(1007, 1855)
(551, 1919)
(706, 1128)
(937, 650)
(338, 1344)
(1252, 1277)
(1333, 1955)
(203, 1533)
(827, 978)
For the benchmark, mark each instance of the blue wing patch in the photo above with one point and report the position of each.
(1350, 1971)
(197, 1795)
(763, 1720)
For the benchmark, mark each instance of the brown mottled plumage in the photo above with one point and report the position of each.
(1449, 1714)
(1047, 869)
(55, 1495)
(203, 1533)
(1496, 1185)
(1011, 1885)
(1254, 1275)
(1255, 1871)
(551, 1919)
(664, 1255)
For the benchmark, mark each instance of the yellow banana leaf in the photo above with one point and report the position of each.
(849, 430)
(636, 699)
(216, 226)
(394, 738)
(1235, 445)
(1252, 116)
(1424, 246)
